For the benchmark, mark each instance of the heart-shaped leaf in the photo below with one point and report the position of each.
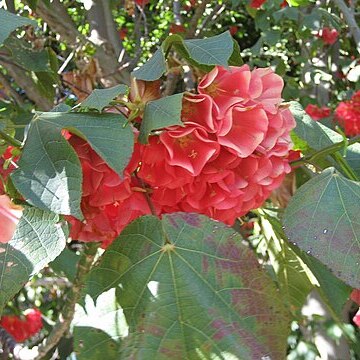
(322, 219)
(190, 289)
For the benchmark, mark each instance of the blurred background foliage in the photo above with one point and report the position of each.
(79, 45)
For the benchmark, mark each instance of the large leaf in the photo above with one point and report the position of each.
(159, 114)
(100, 98)
(322, 219)
(49, 174)
(38, 239)
(107, 134)
(190, 290)
(10, 22)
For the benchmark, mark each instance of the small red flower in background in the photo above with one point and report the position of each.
(142, 3)
(328, 36)
(355, 296)
(176, 29)
(190, 5)
(316, 112)
(256, 4)
(22, 328)
(233, 29)
(347, 114)
(284, 4)
(123, 33)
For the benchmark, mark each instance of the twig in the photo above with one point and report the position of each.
(195, 19)
(11, 90)
(10, 139)
(210, 19)
(147, 197)
(309, 159)
(349, 17)
(64, 321)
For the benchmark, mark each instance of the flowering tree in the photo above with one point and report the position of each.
(148, 175)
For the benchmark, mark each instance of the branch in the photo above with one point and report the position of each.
(12, 92)
(28, 85)
(195, 19)
(309, 159)
(176, 12)
(10, 6)
(64, 321)
(56, 16)
(349, 17)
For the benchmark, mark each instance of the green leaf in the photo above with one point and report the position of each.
(10, 22)
(215, 50)
(322, 219)
(297, 2)
(235, 58)
(333, 291)
(24, 55)
(7, 127)
(66, 263)
(100, 98)
(37, 240)
(159, 114)
(93, 338)
(153, 69)
(107, 134)
(190, 289)
(294, 279)
(49, 174)
(318, 136)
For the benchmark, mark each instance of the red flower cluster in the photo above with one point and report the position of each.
(108, 202)
(348, 115)
(328, 36)
(316, 112)
(225, 160)
(24, 328)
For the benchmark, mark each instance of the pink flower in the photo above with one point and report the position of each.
(10, 215)
(243, 129)
(328, 36)
(189, 147)
(316, 112)
(240, 85)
